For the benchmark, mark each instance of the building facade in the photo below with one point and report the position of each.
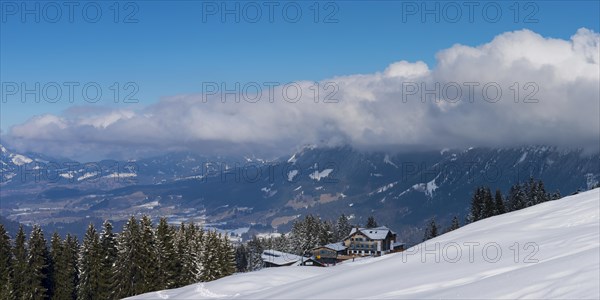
(370, 241)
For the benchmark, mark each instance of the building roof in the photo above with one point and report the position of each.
(396, 244)
(339, 246)
(279, 258)
(313, 259)
(377, 233)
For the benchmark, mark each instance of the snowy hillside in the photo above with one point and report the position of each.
(551, 250)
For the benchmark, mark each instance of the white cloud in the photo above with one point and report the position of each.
(563, 75)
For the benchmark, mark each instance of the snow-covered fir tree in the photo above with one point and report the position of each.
(195, 242)
(90, 265)
(6, 287)
(454, 225)
(209, 258)
(109, 253)
(255, 249)
(19, 264)
(477, 206)
(56, 252)
(517, 198)
(489, 207)
(431, 231)
(371, 223)
(166, 260)
(128, 269)
(241, 258)
(65, 268)
(343, 228)
(305, 234)
(38, 263)
(148, 250)
(226, 257)
(325, 233)
(499, 206)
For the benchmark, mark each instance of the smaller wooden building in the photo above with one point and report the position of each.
(329, 254)
(312, 262)
(398, 247)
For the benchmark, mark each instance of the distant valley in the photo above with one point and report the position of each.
(248, 195)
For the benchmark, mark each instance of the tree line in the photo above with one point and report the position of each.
(520, 195)
(484, 205)
(306, 234)
(106, 265)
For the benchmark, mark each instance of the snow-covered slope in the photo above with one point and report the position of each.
(558, 256)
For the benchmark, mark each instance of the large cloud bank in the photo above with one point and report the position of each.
(549, 95)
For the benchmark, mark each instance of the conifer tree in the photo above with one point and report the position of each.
(431, 231)
(241, 258)
(89, 265)
(516, 197)
(38, 263)
(371, 223)
(226, 257)
(325, 233)
(7, 291)
(499, 203)
(343, 228)
(556, 195)
(56, 253)
(20, 265)
(184, 261)
(255, 250)
(148, 256)
(6, 288)
(196, 239)
(477, 203)
(209, 258)
(166, 262)
(489, 207)
(109, 253)
(66, 270)
(543, 195)
(532, 193)
(455, 224)
(305, 234)
(128, 272)
(189, 244)
(280, 243)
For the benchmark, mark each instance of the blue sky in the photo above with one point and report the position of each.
(170, 50)
(160, 53)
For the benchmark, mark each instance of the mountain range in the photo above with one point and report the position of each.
(249, 195)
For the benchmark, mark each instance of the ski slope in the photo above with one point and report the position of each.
(558, 257)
